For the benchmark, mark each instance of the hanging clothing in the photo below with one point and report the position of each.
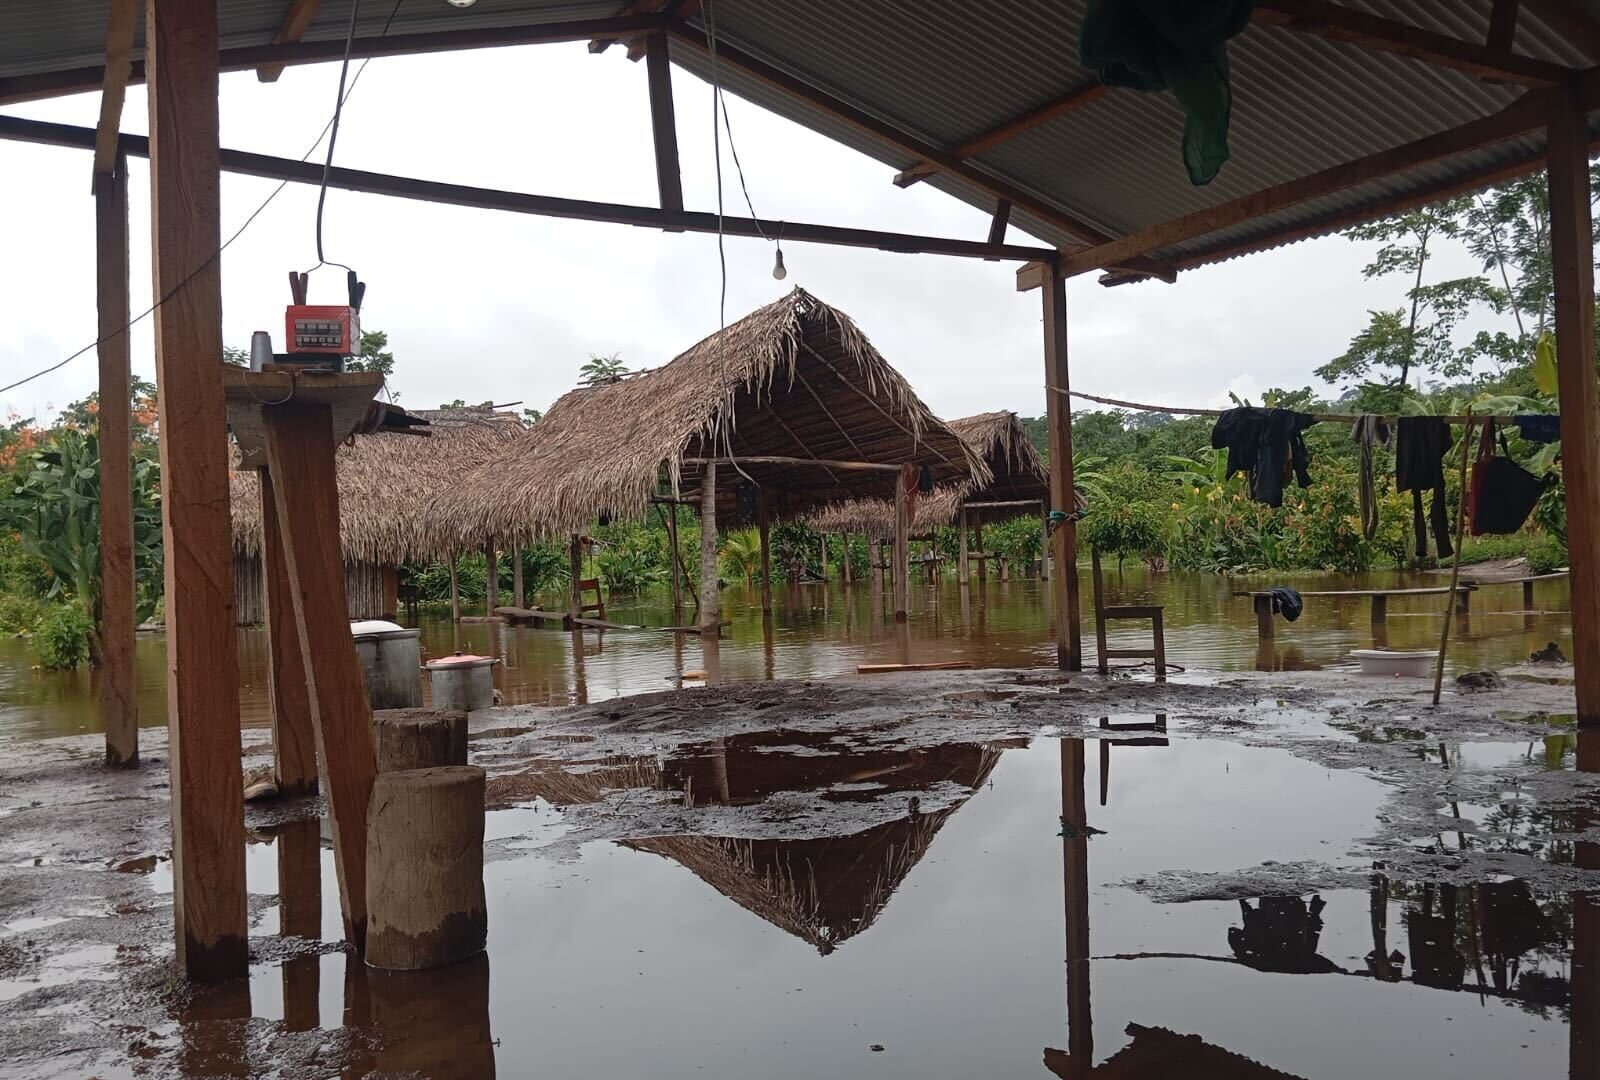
(1420, 444)
(1502, 493)
(1267, 444)
(1177, 45)
(1369, 432)
(1539, 427)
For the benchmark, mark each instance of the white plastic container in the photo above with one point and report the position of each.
(1411, 665)
(462, 681)
(391, 663)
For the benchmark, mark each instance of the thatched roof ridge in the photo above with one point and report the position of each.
(385, 482)
(601, 450)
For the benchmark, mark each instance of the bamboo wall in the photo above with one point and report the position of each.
(363, 586)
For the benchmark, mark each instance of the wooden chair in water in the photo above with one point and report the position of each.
(1103, 614)
(585, 609)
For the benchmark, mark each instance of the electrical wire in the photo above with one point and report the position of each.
(197, 271)
(333, 135)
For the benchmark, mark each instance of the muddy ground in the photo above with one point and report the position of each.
(87, 985)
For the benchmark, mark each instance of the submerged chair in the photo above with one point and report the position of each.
(1103, 614)
(598, 607)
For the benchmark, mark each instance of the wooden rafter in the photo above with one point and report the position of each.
(1071, 101)
(1570, 21)
(295, 23)
(998, 223)
(1335, 22)
(733, 57)
(663, 124)
(636, 43)
(122, 15)
(1527, 113)
(1503, 25)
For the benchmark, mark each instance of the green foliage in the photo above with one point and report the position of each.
(740, 555)
(374, 355)
(1546, 553)
(19, 613)
(1124, 528)
(630, 557)
(600, 370)
(61, 639)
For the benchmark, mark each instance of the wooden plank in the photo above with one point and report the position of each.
(202, 657)
(862, 121)
(300, 457)
(709, 609)
(939, 665)
(1572, 255)
(998, 223)
(242, 58)
(650, 217)
(1335, 22)
(1503, 25)
(1064, 591)
(663, 125)
(294, 737)
(295, 22)
(1438, 590)
(1526, 114)
(902, 552)
(1038, 116)
(119, 707)
(121, 18)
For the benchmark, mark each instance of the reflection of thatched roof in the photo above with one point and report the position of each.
(793, 379)
(1158, 1054)
(386, 479)
(1017, 473)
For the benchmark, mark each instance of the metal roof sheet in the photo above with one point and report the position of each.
(944, 71)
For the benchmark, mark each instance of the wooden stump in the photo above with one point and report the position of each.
(434, 1023)
(419, 738)
(425, 868)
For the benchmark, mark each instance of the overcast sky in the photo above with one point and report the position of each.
(481, 305)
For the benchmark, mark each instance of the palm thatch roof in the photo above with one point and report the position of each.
(1160, 1054)
(385, 481)
(1017, 473)
(794, 379)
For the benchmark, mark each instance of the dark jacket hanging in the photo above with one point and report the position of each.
(1502, 493)
(1421, 442)
(1267, 444)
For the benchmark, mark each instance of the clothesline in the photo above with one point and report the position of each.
(1321, 418)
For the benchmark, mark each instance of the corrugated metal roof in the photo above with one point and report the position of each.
(944, 71)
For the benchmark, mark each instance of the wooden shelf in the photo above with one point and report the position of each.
(249, 393)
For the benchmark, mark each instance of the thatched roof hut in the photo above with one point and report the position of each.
(1017, 475)
(386, 480)
(795, 379)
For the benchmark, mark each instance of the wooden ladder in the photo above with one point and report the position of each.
(1104, 614)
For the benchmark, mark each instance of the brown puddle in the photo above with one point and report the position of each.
(844, 906)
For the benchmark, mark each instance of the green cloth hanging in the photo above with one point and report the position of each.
(1177, 45)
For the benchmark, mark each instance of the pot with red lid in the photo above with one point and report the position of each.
(462, 681)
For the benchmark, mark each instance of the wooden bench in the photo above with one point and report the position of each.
(1262, 602)
(517, 616)
(1525, 582)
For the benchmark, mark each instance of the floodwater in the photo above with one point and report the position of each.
(990, 924)
(826, 630)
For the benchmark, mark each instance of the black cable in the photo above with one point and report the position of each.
(197, 271)
(333, 136)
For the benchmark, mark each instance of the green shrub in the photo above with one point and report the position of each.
(19, 614)
(61, 639)
(1120, 529)
(1546, 553)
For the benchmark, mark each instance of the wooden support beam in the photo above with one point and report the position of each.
(1569, 19)
(650, 217)
(1526, 114)
(1044, 542)
(963, 567)
(121, 17)
(491, 579)
(1503, 25)
(1038, 116)
(764, 533)
(1572, 256)
(517, 593)
(294, 737)
(295, 23)
(671, 516)
(300, 456)
(663, 126)
(455, 588)
(709, 611)
(204, 745)
(47, 84)
(1335, 22)
(902, 550)
(773, 459)
(575, 585)
(738, 59)
(1069, 631)
(119, 707)
(998, 223)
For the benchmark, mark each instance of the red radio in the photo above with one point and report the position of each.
(327, 330)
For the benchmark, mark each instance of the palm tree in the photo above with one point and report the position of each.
(741, 554)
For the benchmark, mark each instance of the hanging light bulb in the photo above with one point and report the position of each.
(778, 272)
(461, 3)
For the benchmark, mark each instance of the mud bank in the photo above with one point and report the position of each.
(1483, 788)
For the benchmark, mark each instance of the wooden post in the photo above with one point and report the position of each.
(1572, 255)
(1044, 544)
(709, 614)
(1069, 631)
(764, 529)
(672, 543)
(902, 551)
(202, 656)
(575, 589)
(963, 567)
(1075, 888)
(517, 595)
(658, 76)
(300, 915)
(845, 570)
(300, 456)
(1265, 631)
(294, 739)
(419, 738)
(455, 588)
(119, 710)
(390, 576)
(977, 541)
(491, 579)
